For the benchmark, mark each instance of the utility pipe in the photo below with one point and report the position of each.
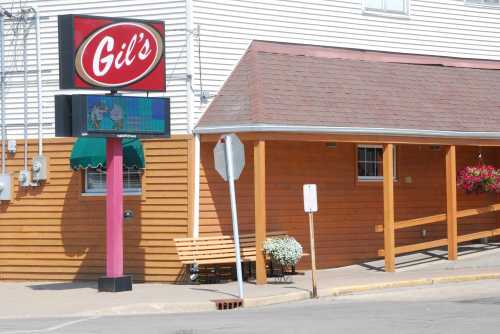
(2, 87)
(25, 80)
(196, 195)
(39, 82)
(189, 65)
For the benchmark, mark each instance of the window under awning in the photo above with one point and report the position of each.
(91, 153)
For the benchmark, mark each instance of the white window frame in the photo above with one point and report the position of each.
(486, 5)
(384, 12)
(374, 178)
(102, 192)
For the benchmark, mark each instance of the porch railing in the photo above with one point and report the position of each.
(436, 219)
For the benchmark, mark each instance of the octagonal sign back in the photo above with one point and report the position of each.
(238, 156)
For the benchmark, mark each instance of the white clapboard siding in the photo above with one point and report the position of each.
(173, 12)
(433, 27)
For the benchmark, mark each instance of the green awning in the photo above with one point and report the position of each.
(91, 152)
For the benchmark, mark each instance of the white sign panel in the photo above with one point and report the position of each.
(310, 198)
(238, 154)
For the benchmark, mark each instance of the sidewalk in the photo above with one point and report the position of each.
(39, 299)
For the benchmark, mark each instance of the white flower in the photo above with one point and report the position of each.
(283, 250)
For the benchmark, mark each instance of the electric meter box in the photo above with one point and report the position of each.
(5, 187)
(40, 168)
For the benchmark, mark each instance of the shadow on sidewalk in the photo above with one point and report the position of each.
(216, 291)
(64, 286)
(429, 256)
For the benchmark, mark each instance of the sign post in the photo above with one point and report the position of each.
(229, 156)
(311, 206)
(114, 209)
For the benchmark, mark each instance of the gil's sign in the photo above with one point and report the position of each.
(111, 53)
(112, 116)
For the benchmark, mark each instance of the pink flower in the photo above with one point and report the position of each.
(481, 178)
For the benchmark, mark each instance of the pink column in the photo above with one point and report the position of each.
(114, 207)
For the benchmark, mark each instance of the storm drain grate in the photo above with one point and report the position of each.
(228, 304)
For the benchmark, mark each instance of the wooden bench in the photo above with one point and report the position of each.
(217, 250)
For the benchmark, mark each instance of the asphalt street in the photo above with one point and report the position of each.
(451, 308)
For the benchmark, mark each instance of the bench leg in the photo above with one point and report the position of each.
(235, 276)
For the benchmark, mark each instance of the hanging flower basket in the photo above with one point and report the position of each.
(479, 179)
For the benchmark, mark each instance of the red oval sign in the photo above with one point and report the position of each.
(119, 54)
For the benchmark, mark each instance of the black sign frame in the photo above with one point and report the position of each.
(71, 119)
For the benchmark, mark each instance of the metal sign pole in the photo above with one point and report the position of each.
(313, 255)
(234, 215)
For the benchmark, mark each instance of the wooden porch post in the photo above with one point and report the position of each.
(389, 242)
(451, 201)
(259, 158)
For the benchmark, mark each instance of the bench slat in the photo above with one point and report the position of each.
(208, 256)
(202, 241)
(218, 249)
(219, 261)
(242, 236)
(208, 247)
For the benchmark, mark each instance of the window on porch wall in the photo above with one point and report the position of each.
(387, 6)
(95, 181)
(369, 162)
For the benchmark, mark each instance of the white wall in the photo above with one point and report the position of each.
(435, 27)
(171, 11)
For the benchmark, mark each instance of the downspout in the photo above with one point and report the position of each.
(2, 87)
(39, 83)
(189, 65)
(196, 197)
(190, 117)
(25, 83)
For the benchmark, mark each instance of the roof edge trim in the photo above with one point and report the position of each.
(345, 130)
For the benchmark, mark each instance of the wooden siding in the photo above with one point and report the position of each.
(348, 210)
(54, 233)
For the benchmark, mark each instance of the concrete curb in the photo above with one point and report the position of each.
(276, 299)
(209, 306)
(346, 290)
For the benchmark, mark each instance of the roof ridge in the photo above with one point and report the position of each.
(332, 52)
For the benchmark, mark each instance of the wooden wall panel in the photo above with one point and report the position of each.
(348, 210)
(54, 233)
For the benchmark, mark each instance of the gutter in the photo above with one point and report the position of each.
(312, 129)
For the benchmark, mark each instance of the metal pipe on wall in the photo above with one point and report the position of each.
(25, 80)
(196, 195)
(190, 64)
(2, 87)
(39, 83)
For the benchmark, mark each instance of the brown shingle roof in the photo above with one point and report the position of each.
(291, 85)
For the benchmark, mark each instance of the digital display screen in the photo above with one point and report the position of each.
(132, 116)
